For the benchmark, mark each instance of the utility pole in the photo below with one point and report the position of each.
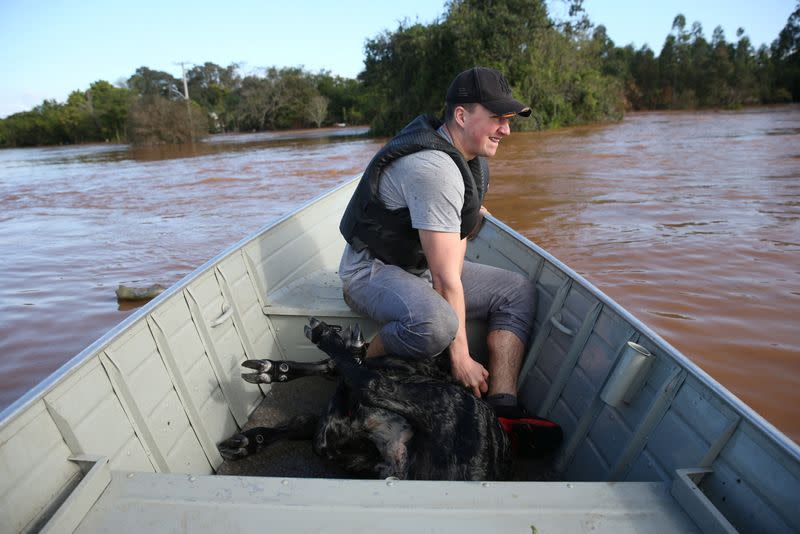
(186, 97)
(185, 83)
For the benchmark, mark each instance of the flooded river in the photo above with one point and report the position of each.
(689, 220)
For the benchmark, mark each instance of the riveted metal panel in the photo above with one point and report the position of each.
(93, 421)
(609, 434)
(634, 412)
(557, 347)
(690, 429)
(578, 392)
(675, 443)
(588, 464)
(550, 280)
(195, 383)
(643, 415)
(219, 353)
(297, 247)
(34, 469)
(254, 326)
(567, 418)
(150, 395)
(702, 411)
(609, 334)
(553, 351)
(535, 389)
(754, 484)
(496, 248)
(646, 468)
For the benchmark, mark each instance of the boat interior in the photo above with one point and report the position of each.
(126, 434)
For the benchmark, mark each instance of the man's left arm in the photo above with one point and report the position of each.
(445, 254)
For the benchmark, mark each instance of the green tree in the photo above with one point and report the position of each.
(278, 100)
(150, 83)
(77, 120)
(259, 102)
(643, 90)
(108, 106)
(26, 129)
(399, 78)
(744, 83)
(566, 85)
(554, 67)
(317, 109)
(43, 125)
(344, 96)
(681, 88)
(700, 62)
(786, 55)
(212, 87)
(501, 34)
(721, 69)
(155, 120)
(298, 90)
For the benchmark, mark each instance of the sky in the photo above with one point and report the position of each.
(49, 48)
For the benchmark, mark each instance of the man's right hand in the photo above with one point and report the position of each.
(469, 373)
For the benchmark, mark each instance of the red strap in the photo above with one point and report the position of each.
(508, 424)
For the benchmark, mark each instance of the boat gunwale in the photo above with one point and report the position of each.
(38, 391)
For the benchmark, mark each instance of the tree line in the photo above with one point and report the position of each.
(151, 107)
(569, 71)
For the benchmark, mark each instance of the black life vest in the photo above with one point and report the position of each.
(368, 223)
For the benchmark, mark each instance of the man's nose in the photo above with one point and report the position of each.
(505, 127)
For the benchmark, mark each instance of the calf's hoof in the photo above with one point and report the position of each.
(266, 371)
(330, 337)
(235, 447)
(315, 330)
(244, 444)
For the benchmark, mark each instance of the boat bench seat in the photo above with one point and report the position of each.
(318, 293)
(127, 502)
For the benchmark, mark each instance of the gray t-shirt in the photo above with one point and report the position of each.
(430, 185)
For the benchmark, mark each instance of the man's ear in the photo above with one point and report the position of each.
(459, 115)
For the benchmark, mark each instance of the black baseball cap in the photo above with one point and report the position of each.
(488, 88)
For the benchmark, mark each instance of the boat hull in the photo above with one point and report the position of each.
(129, 426)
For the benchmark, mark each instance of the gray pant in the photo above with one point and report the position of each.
(416, 321)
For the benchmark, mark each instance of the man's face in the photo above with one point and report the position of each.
(483, 131)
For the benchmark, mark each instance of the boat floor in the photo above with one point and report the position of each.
(296, 458)
(287, 458)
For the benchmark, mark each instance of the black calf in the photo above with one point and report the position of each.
(389, 416)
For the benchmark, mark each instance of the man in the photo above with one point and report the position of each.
(406, 228)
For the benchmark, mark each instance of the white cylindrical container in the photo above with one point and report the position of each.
(633, 365)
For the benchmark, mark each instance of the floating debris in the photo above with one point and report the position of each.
(139, 293)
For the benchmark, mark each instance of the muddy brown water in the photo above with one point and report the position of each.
(691, 221)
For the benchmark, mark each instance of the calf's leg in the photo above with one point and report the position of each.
(269, 371)
(254, 440)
